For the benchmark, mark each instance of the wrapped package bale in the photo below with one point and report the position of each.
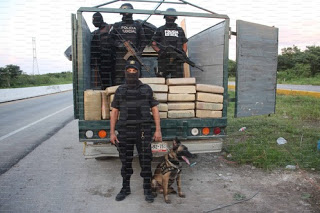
(208, 114)
(181, 114)
(209, 106)
(161, 97)
(159, 87)
(92, 105)
(180, 105)
(110, 97)
(111, 90)
(153, 80)
(181, 81)
(163, 107)
(182, 89)
(162, 114)
(209, 88)
(105, 105)
(209, 97)
(181, 97)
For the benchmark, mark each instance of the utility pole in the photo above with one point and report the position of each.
(35, 61)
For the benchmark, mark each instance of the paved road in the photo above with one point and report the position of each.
(27, 123)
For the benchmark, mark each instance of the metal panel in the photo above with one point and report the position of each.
(84, 72)
(207, 50)
(74, 56)
(257, 58)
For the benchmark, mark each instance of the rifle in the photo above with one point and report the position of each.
(131, 51)
(181, 55)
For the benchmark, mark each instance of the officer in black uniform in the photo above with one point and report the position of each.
(134, 100)
(167, 35)
(126, 30)
(102, 55)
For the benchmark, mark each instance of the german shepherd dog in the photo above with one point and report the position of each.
(169, 170)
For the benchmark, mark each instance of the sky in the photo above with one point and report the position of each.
(49, 22)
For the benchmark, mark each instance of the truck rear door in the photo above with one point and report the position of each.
(75, 66)
(257, 58)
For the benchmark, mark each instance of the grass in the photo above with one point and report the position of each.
(297, 119)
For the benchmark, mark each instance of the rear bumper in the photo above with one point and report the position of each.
(194, 146)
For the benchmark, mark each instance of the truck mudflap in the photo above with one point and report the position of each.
(194, 146)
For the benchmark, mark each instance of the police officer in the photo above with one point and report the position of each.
(134, 100)
(126, 30)
(165, 36)
(102, 56)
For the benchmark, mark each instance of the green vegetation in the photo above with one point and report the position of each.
(297, 119)
(294, 66)
(13, 77)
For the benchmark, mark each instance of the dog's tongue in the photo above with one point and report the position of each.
(186, 160)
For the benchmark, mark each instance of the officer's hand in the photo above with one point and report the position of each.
(113, 139)
(157, 136)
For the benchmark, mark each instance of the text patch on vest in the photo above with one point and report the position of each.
(128, 29)
(174, 33)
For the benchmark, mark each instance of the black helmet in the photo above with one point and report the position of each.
(97, 19)
(170, 10)
(126, 6)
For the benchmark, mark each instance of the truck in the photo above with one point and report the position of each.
(255, 83)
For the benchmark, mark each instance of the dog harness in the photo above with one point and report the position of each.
(165, 168)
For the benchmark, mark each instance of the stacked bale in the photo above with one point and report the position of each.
(92, 105)
(181, 97)
(178, 97)
(160, 93)
(209, 102)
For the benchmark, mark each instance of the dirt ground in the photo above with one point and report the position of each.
(248, 189)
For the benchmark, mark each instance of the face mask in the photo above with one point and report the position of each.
(170, 21)
(127, 17)
(97, 22)
(132, 79)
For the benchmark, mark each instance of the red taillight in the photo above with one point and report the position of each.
(217, 131)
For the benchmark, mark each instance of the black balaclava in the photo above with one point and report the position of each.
(126, 17)
(97, 20)
(132, 79)
(170, 20)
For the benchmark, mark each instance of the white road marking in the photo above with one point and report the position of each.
(25, 127)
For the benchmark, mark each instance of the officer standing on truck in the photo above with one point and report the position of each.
(134, 100)
(126, 30)
(102, 55)
(170, 40)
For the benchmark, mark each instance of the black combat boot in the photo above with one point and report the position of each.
(147, 190)
(125, 191)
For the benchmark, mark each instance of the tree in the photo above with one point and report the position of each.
(313, 58)
(9, 73)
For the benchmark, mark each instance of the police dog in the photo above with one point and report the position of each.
(169, 170)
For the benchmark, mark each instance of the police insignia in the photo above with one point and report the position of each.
(132, 62)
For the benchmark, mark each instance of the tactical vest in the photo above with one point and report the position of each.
(135, 105)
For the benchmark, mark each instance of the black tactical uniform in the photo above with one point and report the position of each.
(126, 30)
(134, 102)
(167, 35)
(102, 55)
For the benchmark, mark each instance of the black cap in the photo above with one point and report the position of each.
(133, 64)
(170, 10)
